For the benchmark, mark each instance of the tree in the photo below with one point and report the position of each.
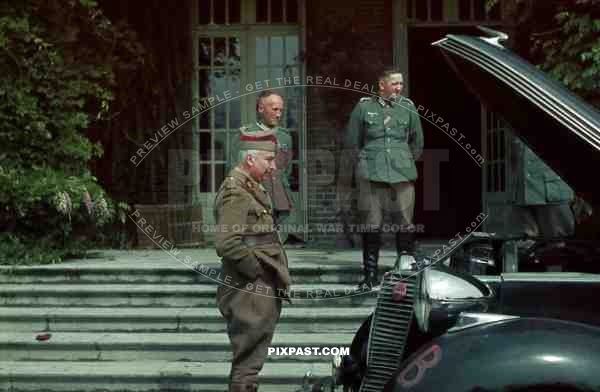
(58, 62)
(571, 51)
(563, 38)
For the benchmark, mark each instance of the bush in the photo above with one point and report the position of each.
(58, 63)
(48, 216)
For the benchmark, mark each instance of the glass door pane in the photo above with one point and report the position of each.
(219, 11)
(276, 64)
(497, 184)
(219, 72)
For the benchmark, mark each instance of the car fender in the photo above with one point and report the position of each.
(510, 355)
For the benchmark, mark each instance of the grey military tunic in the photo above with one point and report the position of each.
(388, 137)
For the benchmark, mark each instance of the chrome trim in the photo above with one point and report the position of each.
(479, 260)
(390, 327)
(454, 293)
(554, 99)
(551, 277)
(496, 36)
(469, 320)
(445, 294)
(487, 279)
(336, 367)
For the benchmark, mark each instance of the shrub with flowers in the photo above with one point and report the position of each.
(58, 61)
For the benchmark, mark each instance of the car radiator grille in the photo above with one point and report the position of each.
(389, 330)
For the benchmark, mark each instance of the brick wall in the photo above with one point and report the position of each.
(346, 40)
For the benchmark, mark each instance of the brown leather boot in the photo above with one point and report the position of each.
(243, 387)
(239, 387)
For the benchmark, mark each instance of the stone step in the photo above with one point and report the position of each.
(175, 273)
(190, 347)
(166, 295)
(199, 319)
(144, 376)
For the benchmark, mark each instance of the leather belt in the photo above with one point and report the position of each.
(260, 239)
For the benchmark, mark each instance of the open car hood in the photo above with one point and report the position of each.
(561, 128)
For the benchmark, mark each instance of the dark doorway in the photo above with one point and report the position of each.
(449, 194)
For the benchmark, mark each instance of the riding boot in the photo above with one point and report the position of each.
(405, 251)
(235, 387)
(371, 245)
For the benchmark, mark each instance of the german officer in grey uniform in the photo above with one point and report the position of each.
(254, 262)
(387, 138)
(269, 108)
(542, 199)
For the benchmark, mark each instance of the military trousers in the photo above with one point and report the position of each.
(281, 219)
(545, 220)
(376, 199)
(251, 313)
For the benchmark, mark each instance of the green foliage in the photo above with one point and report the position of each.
(563, 38)
(572, 51)
(58, 60)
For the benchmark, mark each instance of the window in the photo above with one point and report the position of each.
(451, 10)
(276, 11)
(240, 43)
(496, 153)
(219, 12)
(219, 71)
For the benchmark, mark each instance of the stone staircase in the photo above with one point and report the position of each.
(141, 321)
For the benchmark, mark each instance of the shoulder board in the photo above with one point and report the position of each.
(365, 99)
(238, 188)
(248, 185)
(408, 100)
(229, 183)
(250, 127)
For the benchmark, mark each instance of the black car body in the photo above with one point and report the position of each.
(439, 329)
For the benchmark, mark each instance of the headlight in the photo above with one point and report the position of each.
(444, 294)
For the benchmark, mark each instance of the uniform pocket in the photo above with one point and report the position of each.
(270, 251)
(223, 299)
(249, 267)
(374, 122)
(557, 191)
(268, 256)
(271, 257)
(253, 216)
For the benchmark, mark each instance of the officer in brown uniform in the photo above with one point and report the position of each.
(254, 261)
